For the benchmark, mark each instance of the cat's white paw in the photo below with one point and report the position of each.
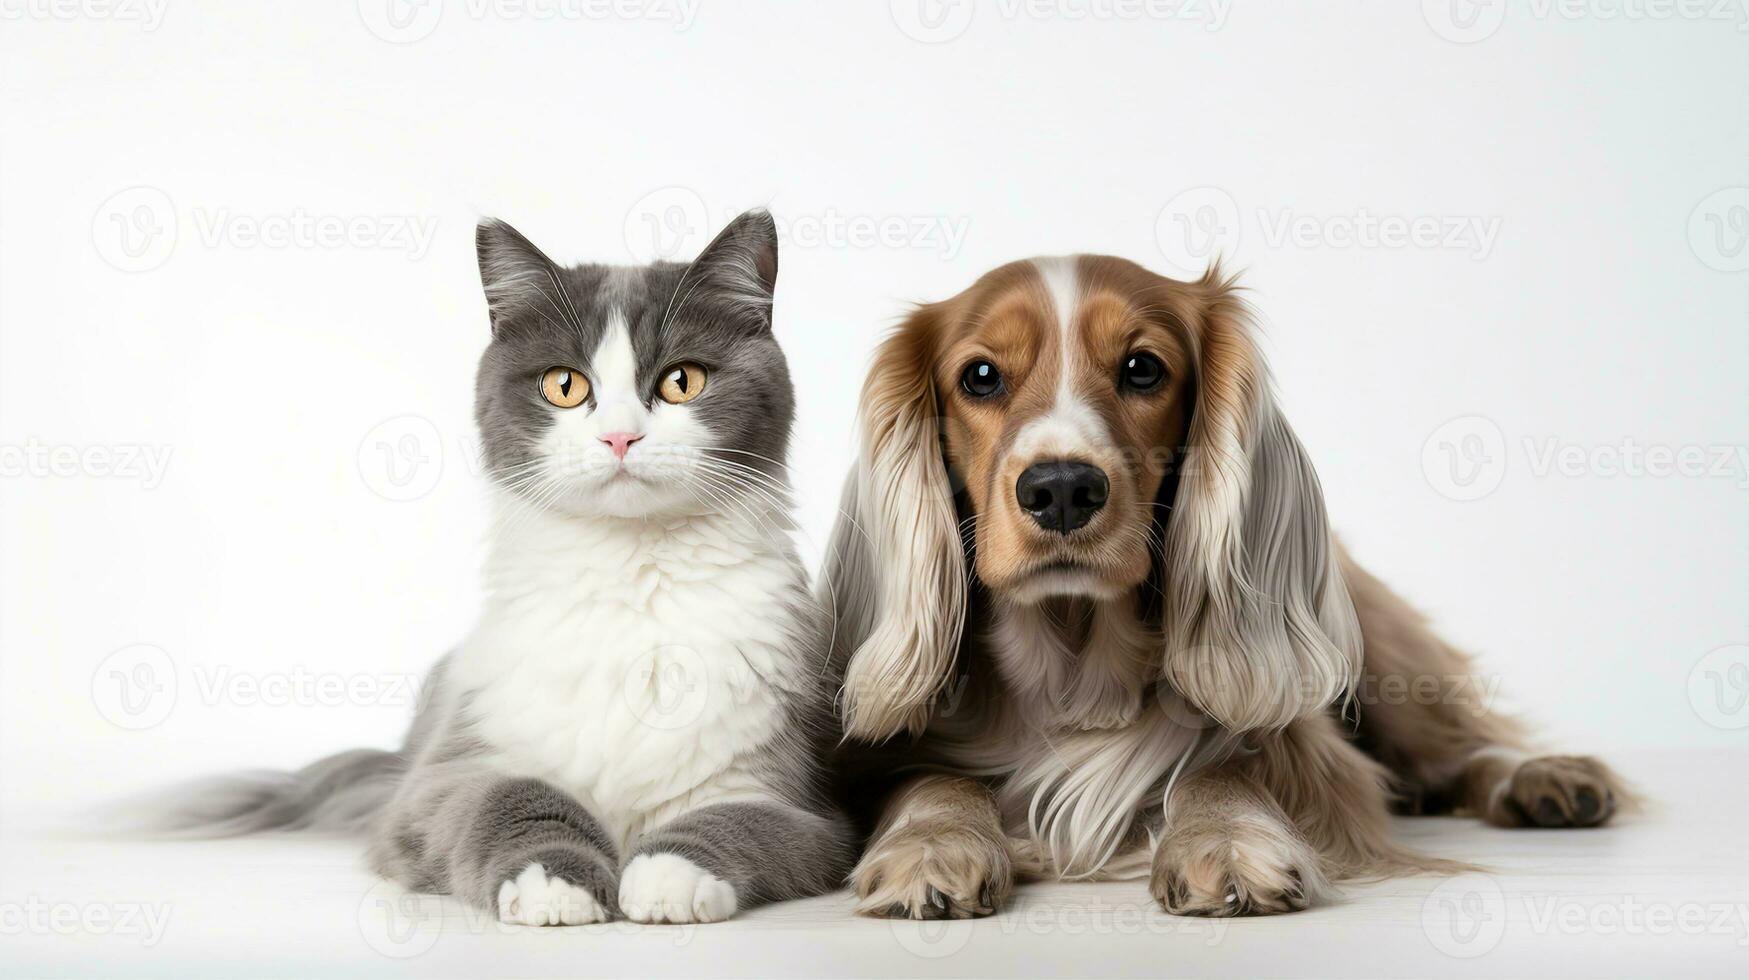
(669, 888)
(533, 899)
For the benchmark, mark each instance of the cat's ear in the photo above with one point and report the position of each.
(738, 269)
(515, 273)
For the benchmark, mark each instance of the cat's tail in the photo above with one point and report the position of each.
(337, 795)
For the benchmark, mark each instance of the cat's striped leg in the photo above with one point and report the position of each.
(706, 865)
(520, 847)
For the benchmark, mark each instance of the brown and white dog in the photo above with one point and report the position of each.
(1093, 622)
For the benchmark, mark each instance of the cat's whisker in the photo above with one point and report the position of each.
(759, 477)
(777, 493)
(737, 490)
(726, 500)
(780, 464)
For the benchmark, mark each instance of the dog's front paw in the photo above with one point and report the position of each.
(932, 869)
(535, 898)
(670, 888)
(1244, 869)
(1557, 791)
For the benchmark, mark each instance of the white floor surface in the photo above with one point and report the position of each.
(1663, 893)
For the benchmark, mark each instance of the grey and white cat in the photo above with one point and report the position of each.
(638, 723)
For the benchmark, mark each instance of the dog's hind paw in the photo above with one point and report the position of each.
(1557, 791)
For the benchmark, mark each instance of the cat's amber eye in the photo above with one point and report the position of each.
(681, 383)
(564, 387)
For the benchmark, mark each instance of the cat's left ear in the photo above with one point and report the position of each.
(515, 273)
(739, 268)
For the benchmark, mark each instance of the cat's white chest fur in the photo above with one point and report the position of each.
(637, 665)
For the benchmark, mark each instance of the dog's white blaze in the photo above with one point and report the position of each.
(1071, 424)
(1064, 288)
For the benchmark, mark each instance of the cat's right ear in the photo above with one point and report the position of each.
(514, 272)
(739, 267)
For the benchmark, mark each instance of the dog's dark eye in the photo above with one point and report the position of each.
(1142, 372)
(981, 379)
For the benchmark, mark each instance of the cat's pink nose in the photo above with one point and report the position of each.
(619, 442)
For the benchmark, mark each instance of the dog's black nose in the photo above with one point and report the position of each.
(1061, 495)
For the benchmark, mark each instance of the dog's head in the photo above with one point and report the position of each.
(1090, 428)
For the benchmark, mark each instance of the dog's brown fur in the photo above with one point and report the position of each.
(1201, 636)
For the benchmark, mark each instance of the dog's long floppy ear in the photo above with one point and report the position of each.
(1259, 626)
(897, 568)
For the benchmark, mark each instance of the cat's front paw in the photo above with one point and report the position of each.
(669, 888)
(534, 898)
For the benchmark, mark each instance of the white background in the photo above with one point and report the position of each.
(1607, 310)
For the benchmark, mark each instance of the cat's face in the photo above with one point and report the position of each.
(634, 391)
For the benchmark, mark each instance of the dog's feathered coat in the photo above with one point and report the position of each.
(1158, 689)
